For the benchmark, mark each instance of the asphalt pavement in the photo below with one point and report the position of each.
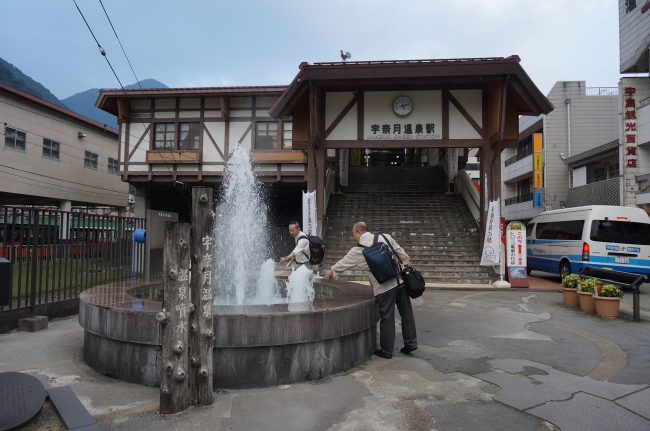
(487, 360)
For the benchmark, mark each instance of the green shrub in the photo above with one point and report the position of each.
(588, 285)
(571, 281)
(610, 291)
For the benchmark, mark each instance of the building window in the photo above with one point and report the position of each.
(287, 134)
(90, 160)
(266, 135)
(165, 136)
(630, 5)
(112, 166)
(51, 149)
(601, 174)
(15, 139)
(188, 136)
(612, 171)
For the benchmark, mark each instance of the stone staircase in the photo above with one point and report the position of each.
(436, 231)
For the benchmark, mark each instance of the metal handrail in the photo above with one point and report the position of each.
(519, 199)
(601, 91)
(519, 156)
(465, 187)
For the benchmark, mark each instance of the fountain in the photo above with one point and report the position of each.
(268, 330)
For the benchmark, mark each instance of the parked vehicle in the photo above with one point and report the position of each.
(609, 237)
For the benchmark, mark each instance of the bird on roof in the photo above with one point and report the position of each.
(345, 56)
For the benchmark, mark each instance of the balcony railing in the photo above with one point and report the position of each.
(602, 91)
(519, 156)
(600, 193)
(519, 199)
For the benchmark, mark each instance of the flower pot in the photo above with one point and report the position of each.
(570, 297)
(587, 302)
(607, 307)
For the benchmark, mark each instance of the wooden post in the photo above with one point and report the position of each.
(174, 318)
(202, 293)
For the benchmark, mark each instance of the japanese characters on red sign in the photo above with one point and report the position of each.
(630, 140)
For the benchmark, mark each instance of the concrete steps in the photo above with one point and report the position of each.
(436, 231)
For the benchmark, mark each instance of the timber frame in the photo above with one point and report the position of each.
(500, 88)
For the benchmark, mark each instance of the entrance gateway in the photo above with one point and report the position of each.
(414, 104)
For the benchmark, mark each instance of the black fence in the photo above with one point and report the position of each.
(55, 255)
(519, 199)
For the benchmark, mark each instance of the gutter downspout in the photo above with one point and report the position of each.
(568, 127)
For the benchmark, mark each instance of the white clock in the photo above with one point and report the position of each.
(402, 106)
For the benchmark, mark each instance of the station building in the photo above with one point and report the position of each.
(174, 138)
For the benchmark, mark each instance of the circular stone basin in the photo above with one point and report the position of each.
(254, 345)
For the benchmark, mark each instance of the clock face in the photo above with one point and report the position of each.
(402, 106)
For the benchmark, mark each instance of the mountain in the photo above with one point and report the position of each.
(84, 103)
(15, 77)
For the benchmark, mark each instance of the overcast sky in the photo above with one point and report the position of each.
(194, 43)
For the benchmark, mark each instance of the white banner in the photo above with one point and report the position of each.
(452, 164)
(309, 212)
(491, 252)
(516, 245)
(344, 166)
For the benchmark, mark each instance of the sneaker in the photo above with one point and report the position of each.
(381, 354)
(406, 350)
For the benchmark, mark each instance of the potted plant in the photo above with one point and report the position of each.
(570, 290)
(608, 300)
(586, 294)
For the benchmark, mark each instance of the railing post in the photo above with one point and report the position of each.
(32, 297)
(201, 322)
(174, 318)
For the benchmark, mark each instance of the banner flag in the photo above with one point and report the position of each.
(452, 163)
(491, 253)
(309, 212)
(344, 167)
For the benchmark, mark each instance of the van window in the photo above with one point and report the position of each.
(620, 232)
(529, 229)
(560, 230)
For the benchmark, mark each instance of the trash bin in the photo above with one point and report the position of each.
(5, 282)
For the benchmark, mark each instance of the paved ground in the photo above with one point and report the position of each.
(488, 360)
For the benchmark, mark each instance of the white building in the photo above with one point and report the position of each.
(54, 157)
(584, 118)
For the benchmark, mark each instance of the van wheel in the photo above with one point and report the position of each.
(565, 269)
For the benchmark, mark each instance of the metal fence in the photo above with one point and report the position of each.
(600, 193)
(55, 255)
(519, 199)
(519, 156)
(601, 91)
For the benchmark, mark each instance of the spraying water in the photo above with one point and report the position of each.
(243, 272)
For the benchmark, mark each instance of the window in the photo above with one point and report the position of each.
(612, 171)
(189, 136)
(601, 174)
(112, 166)
(560, 230)
(287, 134)
(15, 139)
(621, 232)
(630, 5)
(51, 149)
(165, 136)
(529, 229)
(524, 187)
(266, 135)
(90, 160)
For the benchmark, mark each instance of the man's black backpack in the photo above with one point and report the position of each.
(316, 249)
(380, 260)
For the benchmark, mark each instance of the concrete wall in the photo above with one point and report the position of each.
(29, 173)
(634, 37)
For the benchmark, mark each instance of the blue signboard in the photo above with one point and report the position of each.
(538, 200)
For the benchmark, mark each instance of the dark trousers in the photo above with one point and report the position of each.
(386, 302)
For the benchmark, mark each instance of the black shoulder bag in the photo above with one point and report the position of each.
(411, 277)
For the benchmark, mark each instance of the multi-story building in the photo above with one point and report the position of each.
(54, 157)
(584, 119)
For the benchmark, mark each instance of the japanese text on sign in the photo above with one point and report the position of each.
(516, 244)
(403, 131)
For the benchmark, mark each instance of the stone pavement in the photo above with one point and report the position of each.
(487, 360)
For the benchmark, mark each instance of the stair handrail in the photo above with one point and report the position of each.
(330, 187)
(465, 186)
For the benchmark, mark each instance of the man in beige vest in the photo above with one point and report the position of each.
(388, 294)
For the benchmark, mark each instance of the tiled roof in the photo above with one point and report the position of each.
(588, 156)
(439, 60)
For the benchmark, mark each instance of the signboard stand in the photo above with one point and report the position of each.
(501, 283)
(516, 254)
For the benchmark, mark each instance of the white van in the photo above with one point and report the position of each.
(609, 237)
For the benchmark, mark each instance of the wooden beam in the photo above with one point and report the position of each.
(406, 143)
(248, 129)
(139, 140)
(445, 113)
(465, 114)
(341, 115)
(214, 142)
(360, 114)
